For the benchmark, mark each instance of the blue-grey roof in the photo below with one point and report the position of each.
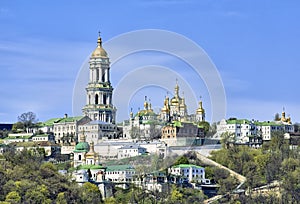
(133, 146)
(98, 122)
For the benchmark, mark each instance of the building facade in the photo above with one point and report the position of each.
(182, 133)
(192, 172)
(130, 151)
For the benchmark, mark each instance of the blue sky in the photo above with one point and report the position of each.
(253, 43)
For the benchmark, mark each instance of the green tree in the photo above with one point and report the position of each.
(110, 200)
(18, 127)
(205, 126)
(38, 194)
(291, 187)
(227, 138)
(176, 196)
(61, 199)
(13, 197)
(90, 193)
(182, 160)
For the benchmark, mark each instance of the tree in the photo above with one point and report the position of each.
(61, 199)
(227, 138)
(13, 197)
(18, 127)
(28, 119)
(176, 196)
(90, 193)
(182, 160)
(205, 126)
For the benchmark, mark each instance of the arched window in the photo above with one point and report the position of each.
(96, 99)
(104, 98)
(103, 77)
(89, 99)
(97, 74)
(79, 157)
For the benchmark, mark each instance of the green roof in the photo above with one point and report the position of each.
(91, 166)
(70, 119)
(268, 123)
(158, 173)
(186, 166)
(82, 147)
(43, 135)
(50, 122)
(18, 137)
(177, 124)
(145, 113)
(120, 168)
(238, 121)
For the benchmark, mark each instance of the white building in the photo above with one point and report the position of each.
(130, 151)
(143, 125)
(192, 172)
(97, 130)
(18, 137)
(120, 174)
(84, 154)
(240, 128)
(43, 137)
(66, 129)
(253, 132)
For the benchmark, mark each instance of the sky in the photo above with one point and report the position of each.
(254, 45)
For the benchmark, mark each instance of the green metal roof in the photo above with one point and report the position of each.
(43, 135)
(18, 137)
(70, 119)
(82, 147)
(50, 122)
(91, 167)
(268, 123)
(120, 168)
(186, 166)
(177, 124)
(238, 121)
(145, 113)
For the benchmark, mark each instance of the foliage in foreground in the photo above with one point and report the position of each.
(25, 178)
(275, 161)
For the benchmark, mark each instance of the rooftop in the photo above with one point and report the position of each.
(133, 146)
(120, 168)
(186, 166)
(91, 167)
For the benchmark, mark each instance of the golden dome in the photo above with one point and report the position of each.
(99, 51)
(92, 152)
(200, 108)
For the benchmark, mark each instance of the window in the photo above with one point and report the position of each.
(96, 99)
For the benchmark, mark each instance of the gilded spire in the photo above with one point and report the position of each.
(99, 41)
(131, 113)
(99, 51)
(146, 103)
(176, 89)
(200, 107)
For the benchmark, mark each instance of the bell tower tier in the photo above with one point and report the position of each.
(99, 90)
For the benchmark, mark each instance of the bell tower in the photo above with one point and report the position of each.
(99, 90)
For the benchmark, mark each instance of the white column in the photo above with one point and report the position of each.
(100, 74)
(106, 75)
(91, 75)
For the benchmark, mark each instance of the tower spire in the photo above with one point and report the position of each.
(99, 41)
